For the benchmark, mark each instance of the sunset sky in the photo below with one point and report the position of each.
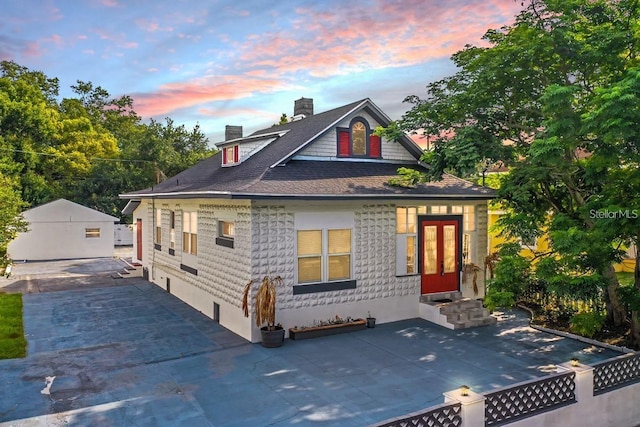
(244, 62)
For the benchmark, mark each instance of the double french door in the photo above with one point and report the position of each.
(439, 255)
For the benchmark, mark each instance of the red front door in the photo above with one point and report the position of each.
(440, 255)
(139, 239)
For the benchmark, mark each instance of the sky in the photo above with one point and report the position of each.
(245, 62)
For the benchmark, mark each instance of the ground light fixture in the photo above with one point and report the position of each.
(464, 390)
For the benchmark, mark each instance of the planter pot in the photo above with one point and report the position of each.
(274, 338)
(371, 322)
(323, 331)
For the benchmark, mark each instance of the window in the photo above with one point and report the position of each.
(358, 141)
(438, 210)
(190, 233)
(406, 239)
(226, 234)
(172, 226)
(230, 155)
(91, 233)
(324, 255)
(158, 236)
(469, 218)
(227, 229)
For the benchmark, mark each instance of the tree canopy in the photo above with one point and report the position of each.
(554, 97)
(88, 148)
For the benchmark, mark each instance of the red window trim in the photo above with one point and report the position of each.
(231, 160)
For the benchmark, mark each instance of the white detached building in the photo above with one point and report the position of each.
(64, 230)
(312, 200)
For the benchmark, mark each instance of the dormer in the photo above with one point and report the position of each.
(237, 149)
(358, 140)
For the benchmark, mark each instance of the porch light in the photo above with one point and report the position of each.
(574, 362)
(464, 390)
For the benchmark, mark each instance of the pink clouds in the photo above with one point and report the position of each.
(319, 41)
(175, 96)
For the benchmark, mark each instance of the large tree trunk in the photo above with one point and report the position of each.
(615, 309)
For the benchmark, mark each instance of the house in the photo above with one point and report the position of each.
(311, 201)
(64, 230)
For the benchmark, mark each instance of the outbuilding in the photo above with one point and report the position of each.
(64, 230)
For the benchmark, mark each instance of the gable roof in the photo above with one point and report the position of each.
(274, 172)
(63, 210)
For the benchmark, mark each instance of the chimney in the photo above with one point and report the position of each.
(303, 106)
(232, 132)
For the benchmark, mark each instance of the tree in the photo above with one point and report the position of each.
(555, 97)
(11, 220)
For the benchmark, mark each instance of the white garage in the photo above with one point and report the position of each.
(64, 230)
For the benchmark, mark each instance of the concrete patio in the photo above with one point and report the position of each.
(132, 355)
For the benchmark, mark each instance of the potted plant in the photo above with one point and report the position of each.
(371, 321)
(264, 309)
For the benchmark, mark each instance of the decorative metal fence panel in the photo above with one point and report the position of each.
(615, 373)
(446, 415)
(525, 399)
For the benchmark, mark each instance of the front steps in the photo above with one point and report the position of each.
(450, 310)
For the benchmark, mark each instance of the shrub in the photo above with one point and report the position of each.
(496, 298)
(587, 323)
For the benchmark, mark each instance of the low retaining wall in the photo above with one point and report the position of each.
(602, 394)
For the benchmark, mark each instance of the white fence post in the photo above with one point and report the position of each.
(583, 381)
(471, 406)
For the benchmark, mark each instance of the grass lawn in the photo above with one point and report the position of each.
(12, 341)
(625, 278)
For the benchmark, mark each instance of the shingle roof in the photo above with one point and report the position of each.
(273, 172)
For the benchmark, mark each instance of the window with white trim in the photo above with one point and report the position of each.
(158, 232)
(190, 233)
(324, 255)
(230, 155)
(407, 239)
(438, 210)
(172, 227)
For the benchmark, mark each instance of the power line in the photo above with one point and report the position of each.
(15, 150)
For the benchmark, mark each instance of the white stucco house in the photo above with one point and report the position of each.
(64, 230)
(311, 201)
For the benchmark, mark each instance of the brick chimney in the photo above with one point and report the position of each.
(303, 106)
(232, 132)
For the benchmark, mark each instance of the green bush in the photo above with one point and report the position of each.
(587, 323)
(498, 299)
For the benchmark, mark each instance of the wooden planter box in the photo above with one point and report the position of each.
(323, 331)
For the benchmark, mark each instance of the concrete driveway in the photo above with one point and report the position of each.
(133, 355)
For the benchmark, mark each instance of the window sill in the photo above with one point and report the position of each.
(188, 269)
(313, 288)
(224, 241)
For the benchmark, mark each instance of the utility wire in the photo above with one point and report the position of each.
(15, 150)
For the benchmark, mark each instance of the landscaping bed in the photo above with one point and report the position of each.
(327, 329)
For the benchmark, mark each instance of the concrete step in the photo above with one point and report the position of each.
(475, 323)
(460, 313)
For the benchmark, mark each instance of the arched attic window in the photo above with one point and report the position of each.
(357, 140)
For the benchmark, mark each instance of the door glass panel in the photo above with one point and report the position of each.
(430, 248)
(449, 242)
